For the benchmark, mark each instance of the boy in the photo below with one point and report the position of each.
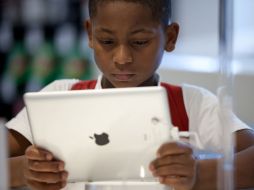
(128, 38)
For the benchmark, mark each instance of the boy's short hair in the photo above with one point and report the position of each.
(161, 9)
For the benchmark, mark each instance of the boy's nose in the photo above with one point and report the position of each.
(122, 55)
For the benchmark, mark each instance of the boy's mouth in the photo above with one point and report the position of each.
(123, 77)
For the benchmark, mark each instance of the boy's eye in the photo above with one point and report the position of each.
(140, 43)
(106, 42)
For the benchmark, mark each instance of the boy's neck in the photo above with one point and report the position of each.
(152, 81)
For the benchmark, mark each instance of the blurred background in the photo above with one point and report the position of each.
(195, 59)
(40, 41)
(44, 40)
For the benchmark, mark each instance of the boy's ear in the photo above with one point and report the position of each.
(172, 32)
(88, 27)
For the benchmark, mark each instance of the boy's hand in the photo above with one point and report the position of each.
(42, 172)
(175, 165)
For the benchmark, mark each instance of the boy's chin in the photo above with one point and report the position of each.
(116, 83)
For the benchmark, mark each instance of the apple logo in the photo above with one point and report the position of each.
(100, 139)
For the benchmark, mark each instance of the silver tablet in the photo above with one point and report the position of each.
(109, 134)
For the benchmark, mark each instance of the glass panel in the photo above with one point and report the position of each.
(3, 156)
(243, 60)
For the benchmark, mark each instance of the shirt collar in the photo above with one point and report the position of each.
(98, 84)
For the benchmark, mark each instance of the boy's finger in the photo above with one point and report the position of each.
(184, 159)
(46, 177)
(43, 186)
(44, 166)
(34, 153)
(174, 148)
(174, 170)
(176, 181)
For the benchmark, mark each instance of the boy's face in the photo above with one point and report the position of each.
(128, 43)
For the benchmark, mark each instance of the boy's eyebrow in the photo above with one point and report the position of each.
(141, 30)
(104, 30)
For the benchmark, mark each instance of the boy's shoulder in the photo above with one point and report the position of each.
(191, 94)
(188, 89)
(197, 91)
(60, 85)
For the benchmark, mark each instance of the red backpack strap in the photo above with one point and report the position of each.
(83, 85)
(178, 113)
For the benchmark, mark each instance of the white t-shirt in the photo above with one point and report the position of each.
(201, 106)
